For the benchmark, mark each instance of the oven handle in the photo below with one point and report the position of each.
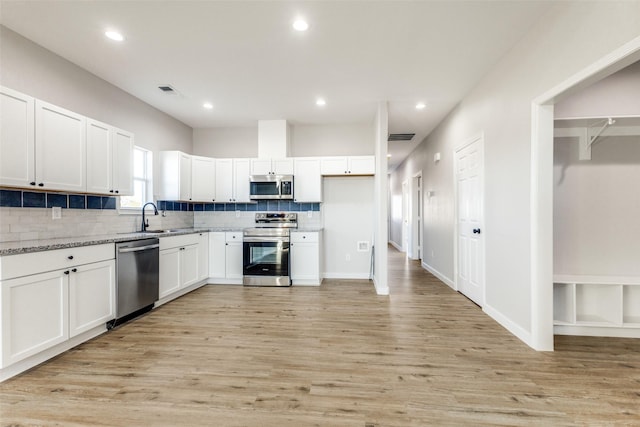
(265, 239)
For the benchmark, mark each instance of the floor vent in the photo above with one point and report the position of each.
(401, 136)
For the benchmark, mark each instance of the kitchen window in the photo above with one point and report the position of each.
(142, 182)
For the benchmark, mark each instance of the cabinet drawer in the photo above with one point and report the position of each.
(233, 236)
(39, 262)
(299, 237)
(179, 241)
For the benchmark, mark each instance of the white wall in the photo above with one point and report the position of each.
(31, 69)
(596, 208)
(305, 140)
(348, 214)
(615, 96)
(331, 140)
(226, 142)
(571, 36)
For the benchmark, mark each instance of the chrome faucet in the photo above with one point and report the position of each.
(145, 224)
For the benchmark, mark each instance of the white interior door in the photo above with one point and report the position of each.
(405, 216)
(470, 237)
(416, 217)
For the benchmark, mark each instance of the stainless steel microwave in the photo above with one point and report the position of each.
(271, 187)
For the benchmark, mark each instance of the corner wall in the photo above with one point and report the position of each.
(571, 36)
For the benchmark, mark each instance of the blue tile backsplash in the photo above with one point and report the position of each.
(33, 199)
(261, 205)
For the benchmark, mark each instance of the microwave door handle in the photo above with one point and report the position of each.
(278, 189)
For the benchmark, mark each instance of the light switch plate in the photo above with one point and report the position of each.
(56, 212)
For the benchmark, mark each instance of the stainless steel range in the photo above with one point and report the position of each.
(266, 250)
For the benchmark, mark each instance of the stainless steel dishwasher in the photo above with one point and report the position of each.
(137, 278)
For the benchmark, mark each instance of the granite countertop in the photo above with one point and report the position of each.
(26, 246)
(39, 245)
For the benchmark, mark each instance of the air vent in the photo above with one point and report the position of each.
(167, 89)
(401, 136)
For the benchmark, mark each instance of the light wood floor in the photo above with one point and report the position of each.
(337, 355)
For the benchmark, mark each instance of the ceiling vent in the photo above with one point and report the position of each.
(401, 136)
(167, 89)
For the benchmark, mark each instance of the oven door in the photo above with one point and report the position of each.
(265, 257)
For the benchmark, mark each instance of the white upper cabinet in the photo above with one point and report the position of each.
(232, 180)
(99, 157)
(17, 139)
(241, 169)
(272, 166)
(60, 148)
(224, 180)
(123, 143)
(109, 159)
(353, 165)
(175, 176)
(307, 186)
(203, 179)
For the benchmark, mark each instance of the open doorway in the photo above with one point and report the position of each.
(542, 296)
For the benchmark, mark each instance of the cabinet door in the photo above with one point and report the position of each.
(185, 176)
(189, 272)
(91, 296)
(334, 166)
(203, 253)
(123, 143)
(217, 257)
(282, 166)
(35, 314)
(241, 169)
(224, 180)
(362, 165)
(233, 261)
(203, 179)
(60, 148)
(261, 167)
(17, 143)
(305, 261)
(99, 157)
(169, 271)
(307, 186)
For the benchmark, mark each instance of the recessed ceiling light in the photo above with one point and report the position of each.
(421, 106)
(388, 156)
(208, 105)
(114, 35)
(300, 25)
(321, 102)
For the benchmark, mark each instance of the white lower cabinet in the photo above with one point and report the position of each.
(92, 299)
(179, 263)
(50, 297)
(305, 260)
(35, 315)
(225, 257)
(203, 254)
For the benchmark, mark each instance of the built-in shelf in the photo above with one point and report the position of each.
(596, 305)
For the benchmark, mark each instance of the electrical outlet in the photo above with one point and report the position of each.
(56, 212)
(309, 214)
(348, 257)
(237, 214)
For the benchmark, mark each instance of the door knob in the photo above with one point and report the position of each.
(476, 231)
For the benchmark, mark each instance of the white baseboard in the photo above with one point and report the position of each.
(509, 325)
(395, 245)
(380, 290)
(345, 275)
(439, 275)
(591, 331)
(218, 281)
(179, 293)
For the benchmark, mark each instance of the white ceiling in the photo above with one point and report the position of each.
(245, 58)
